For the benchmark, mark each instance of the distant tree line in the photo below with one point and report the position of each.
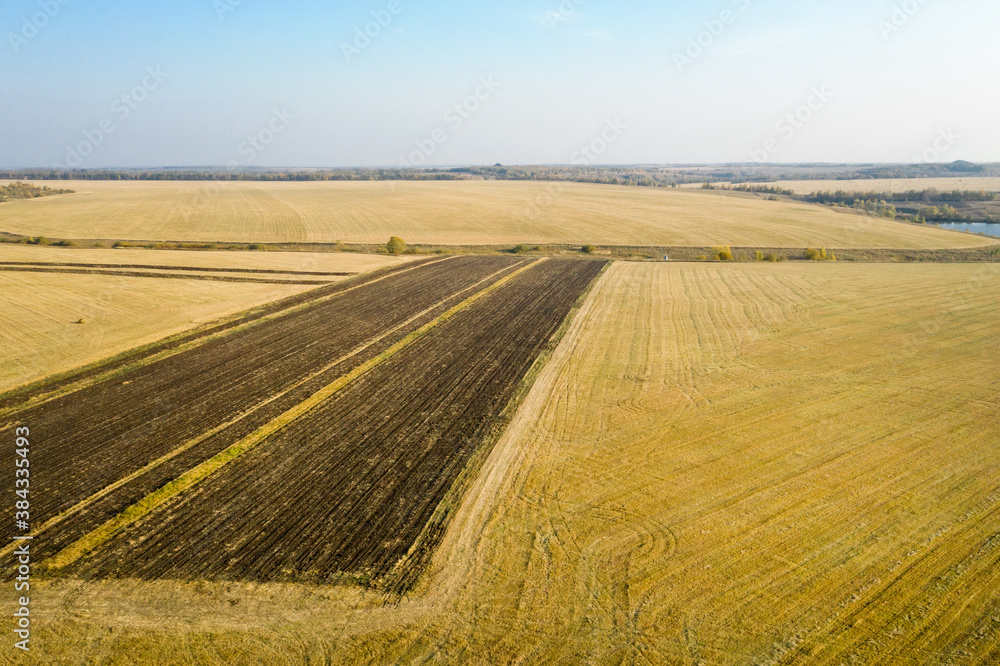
(630, 176)
(943, 213)
(856, 172)
(925, 196)
(279, 176)
(755, 189)
(21, 190)
(936, 206)
(598, 175)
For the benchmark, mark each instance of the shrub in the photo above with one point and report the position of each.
(396, 245)
(522, 249)
(702, 257)
(758, 256)
(722, 253)
(820, 255)
(256, 246)
(773, 258)
(588, 249)
(65, 243)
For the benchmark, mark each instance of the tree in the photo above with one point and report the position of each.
(396, 245)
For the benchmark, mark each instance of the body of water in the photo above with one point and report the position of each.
(975, 227)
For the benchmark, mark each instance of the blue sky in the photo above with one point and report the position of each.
(257, 83)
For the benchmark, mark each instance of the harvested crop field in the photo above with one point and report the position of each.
(452, 213)
(39, 333)
(354, 483)
(734, 465)
(971, 183)
(238, 377)
(205, 274)
(720, 464)
(391, 381)
(289, 263)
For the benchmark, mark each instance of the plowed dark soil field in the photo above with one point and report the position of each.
(349, 487)
(208, 396)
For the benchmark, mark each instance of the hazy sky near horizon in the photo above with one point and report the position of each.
(258, 83)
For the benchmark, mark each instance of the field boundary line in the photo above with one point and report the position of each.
(144, 275)
(87, 382)
(199, 473)
(201, 269)
(188, 445)
(404, 575)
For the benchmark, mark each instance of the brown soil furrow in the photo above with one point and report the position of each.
(87, 440)
(19, 399)
(348, 488)
(91, 516)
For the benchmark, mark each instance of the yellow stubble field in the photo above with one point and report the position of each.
(39, 333)
(720, 464)
(452, 213)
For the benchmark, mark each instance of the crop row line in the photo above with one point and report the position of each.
(225, 330)
(404, 573)
(161, 276)
(192, 477)
(83, 504)
(202, 269)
